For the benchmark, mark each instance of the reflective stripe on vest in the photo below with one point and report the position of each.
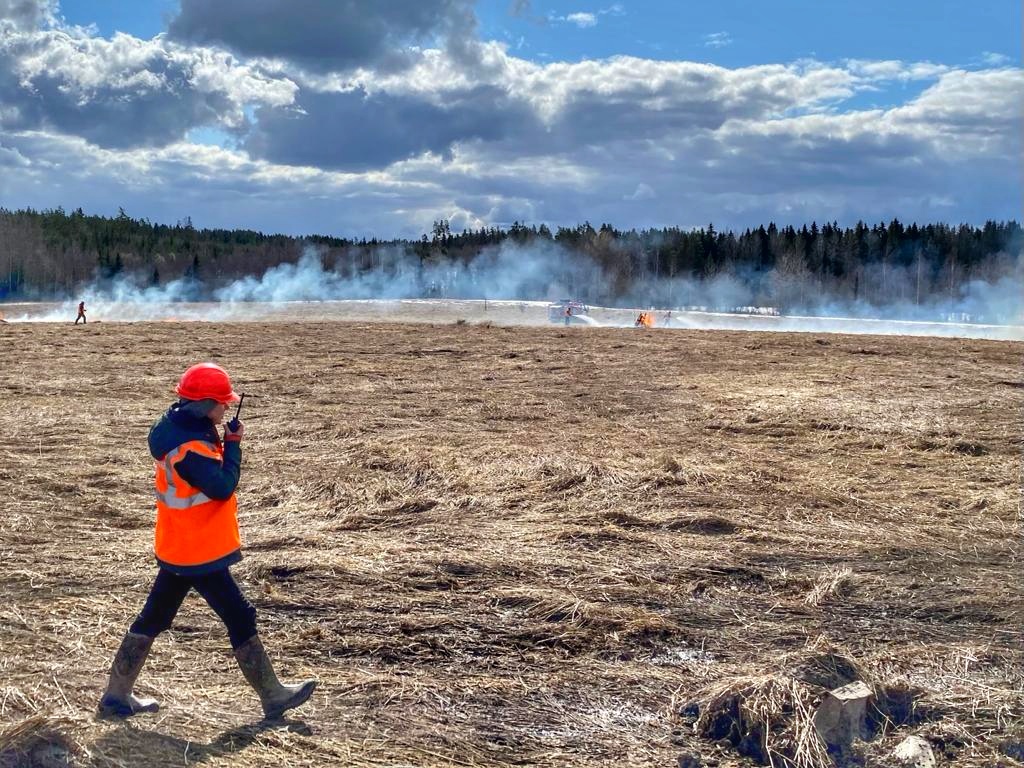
(175, 497)
(191, 528)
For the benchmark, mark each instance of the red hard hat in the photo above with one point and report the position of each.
(206, 381)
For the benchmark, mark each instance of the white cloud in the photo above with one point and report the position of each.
(717, 40)
(28, 14)
(586, 19)
(125, 91)
(489, 137)
(12, 157)
(582, 20)
(967, 114)
(642, 192)
(875, 71)
(990, 59)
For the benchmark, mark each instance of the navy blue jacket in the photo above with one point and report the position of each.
(216, 479)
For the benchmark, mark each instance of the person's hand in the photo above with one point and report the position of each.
(233, 435)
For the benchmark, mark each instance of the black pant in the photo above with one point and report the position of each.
(218, 589)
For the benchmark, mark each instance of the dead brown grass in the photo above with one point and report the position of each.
(501, 546)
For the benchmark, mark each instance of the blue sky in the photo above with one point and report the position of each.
(755, 31)
(374, 119)
(759, 32)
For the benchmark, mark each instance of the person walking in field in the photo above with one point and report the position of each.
(197, 540)
(81, 313)
(644, 320)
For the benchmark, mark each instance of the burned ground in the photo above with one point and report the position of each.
(515, 546)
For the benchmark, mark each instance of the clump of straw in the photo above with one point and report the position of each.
(36, 740)
(769, 718)
(836, 584)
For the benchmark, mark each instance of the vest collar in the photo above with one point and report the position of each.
(192, 423)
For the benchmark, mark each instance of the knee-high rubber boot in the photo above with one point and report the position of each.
(259, 673)
(117, 700)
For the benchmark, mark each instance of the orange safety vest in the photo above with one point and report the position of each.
(191, 528)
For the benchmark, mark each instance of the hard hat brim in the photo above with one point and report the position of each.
(234, 397)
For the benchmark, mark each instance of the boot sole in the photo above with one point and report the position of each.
(297, 700)
(121, 710)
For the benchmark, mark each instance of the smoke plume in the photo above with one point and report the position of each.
(545, 272)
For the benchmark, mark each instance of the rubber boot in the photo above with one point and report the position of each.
(117, 700)
(259, 673)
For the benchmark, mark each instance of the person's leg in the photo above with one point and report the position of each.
(165, 598)
(161, 606)
(221, 591)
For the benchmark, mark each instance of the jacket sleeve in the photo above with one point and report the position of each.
(216, 479)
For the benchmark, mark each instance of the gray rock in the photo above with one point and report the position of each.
(914, 752)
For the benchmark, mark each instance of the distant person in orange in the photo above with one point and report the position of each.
(81, 313)
(197, 540)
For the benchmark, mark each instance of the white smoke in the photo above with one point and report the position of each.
(305, 281)
(542, 273)
(506, 272)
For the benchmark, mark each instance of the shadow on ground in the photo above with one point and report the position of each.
(164, 749)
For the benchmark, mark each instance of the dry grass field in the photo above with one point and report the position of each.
(527, 546)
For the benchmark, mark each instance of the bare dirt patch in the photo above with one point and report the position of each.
(524, 546)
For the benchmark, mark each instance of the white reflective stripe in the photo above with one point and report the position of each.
(172, 501)
(170, 497)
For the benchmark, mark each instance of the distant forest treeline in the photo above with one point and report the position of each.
(53, 253)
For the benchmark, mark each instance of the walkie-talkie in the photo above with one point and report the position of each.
(233, 424)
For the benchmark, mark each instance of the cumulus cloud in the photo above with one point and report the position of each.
(325, 36)
(213, 185)
(517, 109)
(871, 165)
(125, 92)
(895, 70)
(967, 114)
(527, 109)
(339, 140)
(354, 130)
(28, 14)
